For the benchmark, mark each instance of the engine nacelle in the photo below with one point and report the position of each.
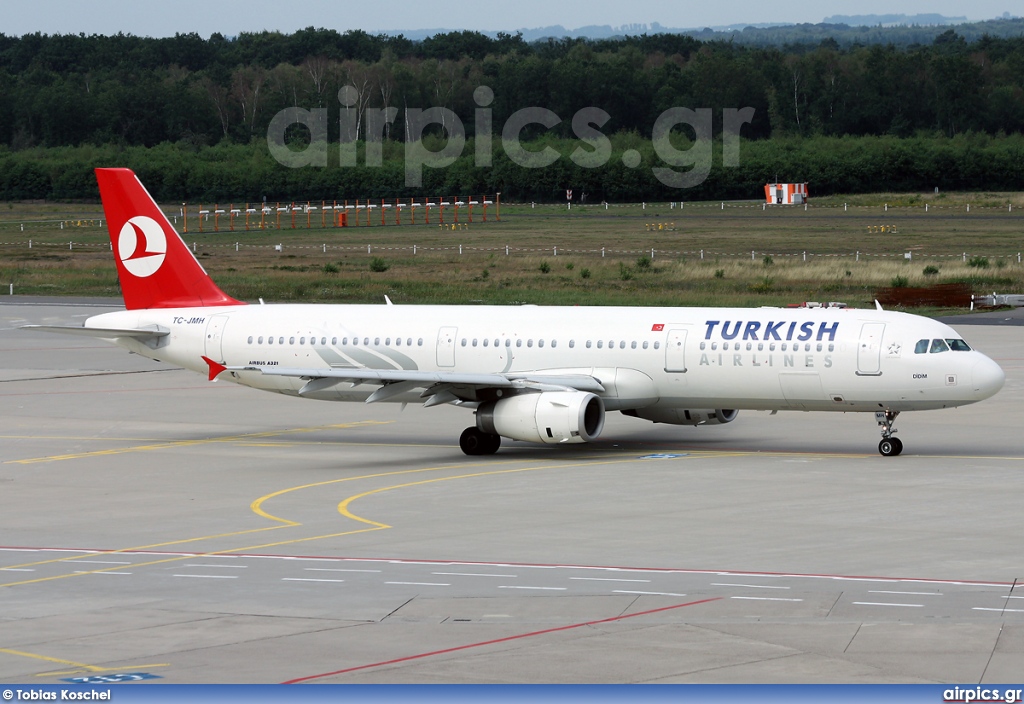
(680, 416)
(549, 417)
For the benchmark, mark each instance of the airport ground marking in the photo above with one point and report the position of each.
(78, 666)
(175, 444)
(496, 641)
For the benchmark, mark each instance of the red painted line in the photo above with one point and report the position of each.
(457, 648)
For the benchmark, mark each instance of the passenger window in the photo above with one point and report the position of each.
(376, 342)
(657, 345)
(771, 346)
(529, 343)
(783, 346)
(260, 340)
(554, 343)
(291, 340)
(725, 346)
(250, 339)
(572, 343)
(588, 344)
(540, 343)
(398, 342)
(419, 342)
(702, 345)
(519, 342)
(366, 341)
(387, 342)
(474, 342)
(645, 345)
(508, 342)
(486, 342)
(760, 346)
(750, 347)
(334, 341)
(714, 346)
(600, 344)
(302, 340)
(939, 346)
(463, 342)
(270, 340)
(622, 344)
(819, 347)
(921, 347)
(632, 345)
(831, 347)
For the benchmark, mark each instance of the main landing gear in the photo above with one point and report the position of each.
(889, 446)
(476, 442)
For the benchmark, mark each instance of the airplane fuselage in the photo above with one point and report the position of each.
(662, 358)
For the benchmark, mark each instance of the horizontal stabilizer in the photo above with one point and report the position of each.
(151, 332)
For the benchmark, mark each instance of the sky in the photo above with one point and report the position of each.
(229, 17)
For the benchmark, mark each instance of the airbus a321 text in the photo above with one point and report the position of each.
(535, 374)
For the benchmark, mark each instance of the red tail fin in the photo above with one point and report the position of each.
(155, 267)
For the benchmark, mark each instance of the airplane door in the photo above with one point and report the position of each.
(446, 347)
(215, 337)
(675, 350)
(869, 350)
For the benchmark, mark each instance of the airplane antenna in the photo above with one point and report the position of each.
(261, 302)
(878, 306)
(388, 301)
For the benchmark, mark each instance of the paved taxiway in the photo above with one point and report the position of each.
(153, 522)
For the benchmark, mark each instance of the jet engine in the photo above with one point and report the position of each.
(548, 417)
(680, 416)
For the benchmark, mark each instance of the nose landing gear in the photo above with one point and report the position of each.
(889, 446)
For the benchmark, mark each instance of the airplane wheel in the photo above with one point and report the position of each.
(476, 442)
(890, 447)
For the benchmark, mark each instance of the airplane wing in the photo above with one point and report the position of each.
(440, 386)
(151, 332)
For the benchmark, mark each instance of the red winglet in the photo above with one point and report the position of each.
(215, 368)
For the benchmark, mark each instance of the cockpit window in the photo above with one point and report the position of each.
(958, 346)
(939, 346)
(921, 347)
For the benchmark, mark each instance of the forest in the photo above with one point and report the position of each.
(192, 114)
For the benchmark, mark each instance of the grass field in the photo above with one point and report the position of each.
(703, 254)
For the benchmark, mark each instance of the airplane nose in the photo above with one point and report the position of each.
(988, 378)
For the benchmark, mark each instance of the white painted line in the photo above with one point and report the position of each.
(473, 574)
(88, 572)
(101, 562)
(878, 603)
(608, 579)
(209, 576)
(749, 586)
(623, 591)
(332, 569)
(1002, 611)
(763, 598)
(300, 579)
(549, 589)
(879, 591)
(15, 569)
(19, 550)
(219, 567)
(1013, 597)
(421, 584)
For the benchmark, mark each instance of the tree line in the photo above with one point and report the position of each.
(238, 173)
(66, 90)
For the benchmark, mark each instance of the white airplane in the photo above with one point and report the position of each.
(536, 374)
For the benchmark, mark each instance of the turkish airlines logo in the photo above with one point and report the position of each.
(142, 246)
